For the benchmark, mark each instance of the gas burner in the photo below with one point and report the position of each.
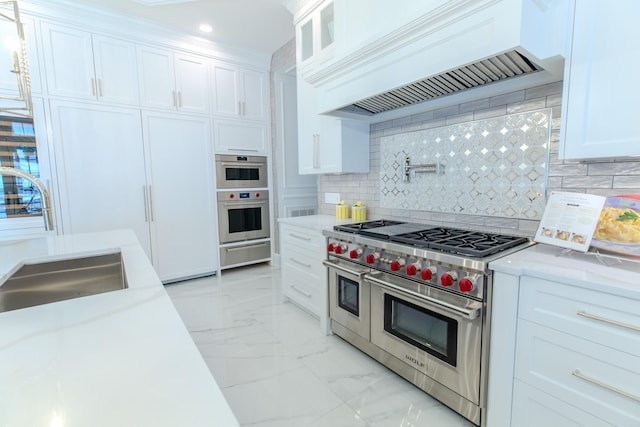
(359, 226)
(462, 242)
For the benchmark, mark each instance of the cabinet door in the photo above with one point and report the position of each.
(68, 62)
(240, 136)
(156, 78)
(182, 195)
(100, 162)
(600, 89)
(308, 129)
(254, 94)
(192, 83)
(116, 70)
(535, 408)
(226, 96)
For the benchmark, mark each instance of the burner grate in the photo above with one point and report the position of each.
(462, 242)
(367, 225)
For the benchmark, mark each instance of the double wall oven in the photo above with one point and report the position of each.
(418, 300)
(243, 210)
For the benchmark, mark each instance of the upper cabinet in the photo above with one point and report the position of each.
(239, 92)
(87, 66)
(315, 35)
(173, 81)
(599, 90)
(327, 144)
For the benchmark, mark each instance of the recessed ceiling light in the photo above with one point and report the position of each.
(206, 28)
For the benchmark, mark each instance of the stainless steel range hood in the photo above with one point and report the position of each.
(494, 69)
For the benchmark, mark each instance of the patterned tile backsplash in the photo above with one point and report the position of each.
(493, 167)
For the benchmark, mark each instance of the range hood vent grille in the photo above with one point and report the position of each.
(497, 68)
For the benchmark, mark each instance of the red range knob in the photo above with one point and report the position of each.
(397, 264)
(339, 249)
(448, 279)
(412, 269)
(372, 258)
(355, 253)
(330, 247)
(427, 273)
(466, 284)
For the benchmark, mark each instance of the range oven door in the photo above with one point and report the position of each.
(349, 296)
(434, 332)
(241, 171)
(243, 216)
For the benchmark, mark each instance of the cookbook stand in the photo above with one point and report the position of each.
(606, 259)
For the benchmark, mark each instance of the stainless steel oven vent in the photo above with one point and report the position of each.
(497, 68)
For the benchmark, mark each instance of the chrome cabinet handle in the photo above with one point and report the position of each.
(301, 292)
(578, 374)
(93, 87)
(100, 91)
(175, 102)
(151, 205)
(306, 239)
(609, 321)
(460, 311)
(315, 151)
(179, 100)
(300, 263)
(146, 203)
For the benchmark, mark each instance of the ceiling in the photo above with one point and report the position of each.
(264, 25)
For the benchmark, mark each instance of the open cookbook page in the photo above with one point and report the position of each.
(618, 228)
(569, 220)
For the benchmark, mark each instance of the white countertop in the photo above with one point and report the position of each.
(607, 273)
(315, 222)
(121, 358)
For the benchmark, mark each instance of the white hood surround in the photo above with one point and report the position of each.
(448, 35)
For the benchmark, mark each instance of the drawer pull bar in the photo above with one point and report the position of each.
(300, 237)
(300, 263)
(576, 373)
(301, 292)
(605, 320)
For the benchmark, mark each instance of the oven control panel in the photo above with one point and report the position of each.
(455, 279)
(234, 196)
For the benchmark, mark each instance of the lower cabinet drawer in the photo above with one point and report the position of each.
(596, 379)
(302, 288)
(600, 317)
(534, 408)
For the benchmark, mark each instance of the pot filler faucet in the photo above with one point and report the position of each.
(44, 194)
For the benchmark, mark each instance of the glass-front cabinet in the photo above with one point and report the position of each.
(316, 34)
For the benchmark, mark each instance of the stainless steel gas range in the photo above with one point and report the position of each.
(418, 299)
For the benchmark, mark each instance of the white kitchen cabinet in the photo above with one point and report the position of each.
(304, 278)
(239, 92)
(599, 84)
(565, 348)
(315, 35)
(87, 66)
(153, 174)
(8, 81)
(238, 136)
(327, 144)
(101, 182)
(173, 81)
(181, 193)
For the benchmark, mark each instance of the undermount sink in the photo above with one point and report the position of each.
(45, 282)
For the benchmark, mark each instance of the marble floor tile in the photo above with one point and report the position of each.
(276, 368)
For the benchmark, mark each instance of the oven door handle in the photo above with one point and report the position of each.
(331, 264)
(243, 204)
(239, 165)
(469, 314)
